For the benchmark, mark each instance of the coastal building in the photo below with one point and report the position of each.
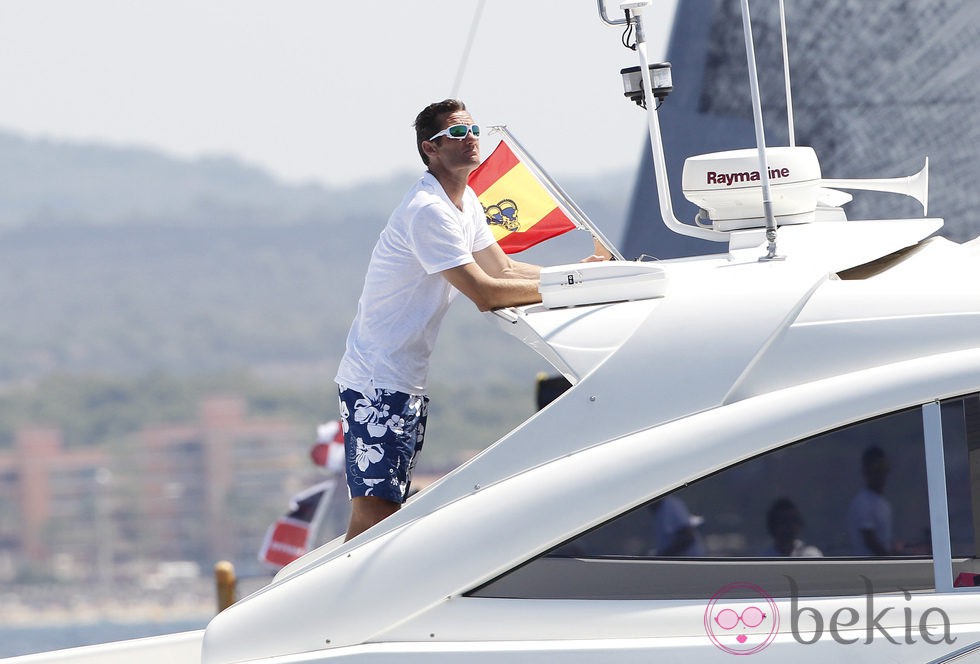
(196, 493)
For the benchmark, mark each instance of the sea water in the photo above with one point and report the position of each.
(22, 640)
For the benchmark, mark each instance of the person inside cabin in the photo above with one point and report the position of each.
(675, 529)
(436, 244)
(870, 516)
(784, 523)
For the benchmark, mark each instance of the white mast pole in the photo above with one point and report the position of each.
(656, 144)
(760, 133)
(466, 50)
(789, 91)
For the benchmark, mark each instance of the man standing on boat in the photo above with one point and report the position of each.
(436, 243)
(870, 514)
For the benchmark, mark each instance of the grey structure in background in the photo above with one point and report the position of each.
(877, 87)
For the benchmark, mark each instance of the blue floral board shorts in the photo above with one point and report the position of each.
(383, 434)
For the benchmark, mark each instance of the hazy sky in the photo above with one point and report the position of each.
(320, 89)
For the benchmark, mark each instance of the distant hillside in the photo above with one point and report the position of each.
(126, 268)
(122, 261)
(54, 183)
(88, 184)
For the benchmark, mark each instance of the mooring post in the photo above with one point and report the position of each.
(225, 583)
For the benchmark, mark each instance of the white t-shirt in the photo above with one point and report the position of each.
(869, 511)
(405, 298)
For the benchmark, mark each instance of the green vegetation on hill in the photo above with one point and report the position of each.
(132, 284)
(93, 409)
(101, 409)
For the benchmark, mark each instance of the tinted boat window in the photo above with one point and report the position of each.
(788, 520)
(857, 491)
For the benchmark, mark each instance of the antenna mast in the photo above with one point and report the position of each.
(789, 92)
(466, 49)
(635, 10)
(760, 134)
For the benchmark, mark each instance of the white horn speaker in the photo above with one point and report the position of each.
(916, 186)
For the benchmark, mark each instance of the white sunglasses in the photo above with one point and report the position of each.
(458, 131)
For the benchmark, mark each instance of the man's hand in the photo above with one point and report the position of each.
(599, 253)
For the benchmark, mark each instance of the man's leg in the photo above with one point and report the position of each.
(367, 511)
(383, 434)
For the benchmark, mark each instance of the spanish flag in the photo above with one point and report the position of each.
(520, 211)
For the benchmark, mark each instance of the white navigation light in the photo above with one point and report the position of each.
(659, 77)
(727, 186)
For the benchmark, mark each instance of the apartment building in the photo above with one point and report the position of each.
(199, 492)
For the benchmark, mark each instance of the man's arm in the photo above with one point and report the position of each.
(496, 280)
(497, 264)
(492, 292)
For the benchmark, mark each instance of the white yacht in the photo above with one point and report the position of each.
(773, 450)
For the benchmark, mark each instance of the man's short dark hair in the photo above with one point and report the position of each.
(872, 455)
(429, 121)
(782, 510)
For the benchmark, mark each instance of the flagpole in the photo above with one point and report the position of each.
(570, 207)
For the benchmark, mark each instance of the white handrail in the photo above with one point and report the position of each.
(656, 143)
